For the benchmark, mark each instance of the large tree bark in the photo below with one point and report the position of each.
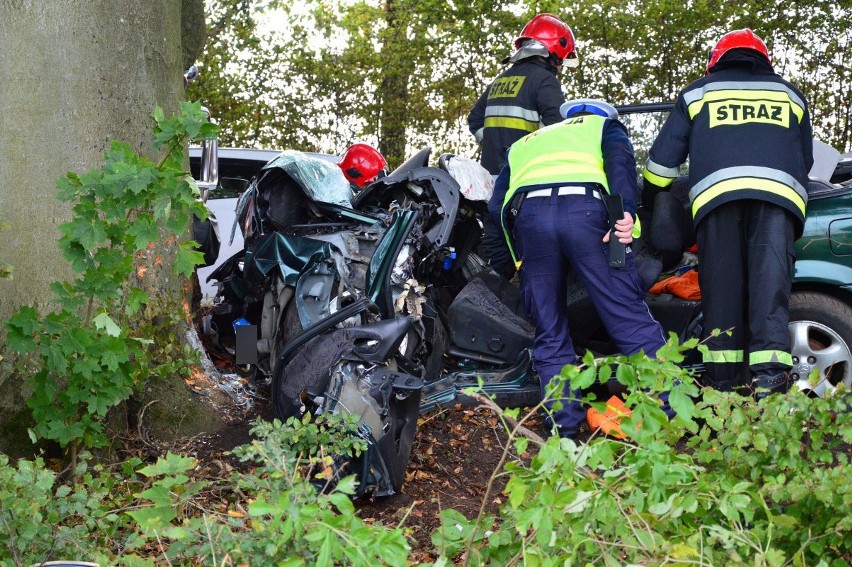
(393, 89)
(75, 76)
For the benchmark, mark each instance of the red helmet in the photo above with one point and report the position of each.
(552, 32)
(361, 163)
(745, 39)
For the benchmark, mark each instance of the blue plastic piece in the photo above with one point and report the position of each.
(448, 261)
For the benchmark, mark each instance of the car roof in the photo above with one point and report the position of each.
(644, 107)
(251, 154)
(243, 163)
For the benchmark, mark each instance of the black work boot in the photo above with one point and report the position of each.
(766, 384)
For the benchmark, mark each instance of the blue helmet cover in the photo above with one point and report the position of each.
(595, 106)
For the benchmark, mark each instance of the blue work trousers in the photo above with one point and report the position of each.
(553, 234)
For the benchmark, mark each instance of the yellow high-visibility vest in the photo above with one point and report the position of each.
(560, 154)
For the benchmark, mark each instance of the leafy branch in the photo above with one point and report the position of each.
(95, 348)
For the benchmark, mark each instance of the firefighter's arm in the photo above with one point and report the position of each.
(476, 118)
(668, 152)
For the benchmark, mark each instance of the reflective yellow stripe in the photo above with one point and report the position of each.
(657, 180)
(512, 252)
(747, 183)
(742, 94)
(662, 170)
(514, 123)
(722, 356)
(764, 356)
(545, 167)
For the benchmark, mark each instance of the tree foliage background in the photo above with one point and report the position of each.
(321, 74)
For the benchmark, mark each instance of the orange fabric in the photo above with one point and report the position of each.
(609, 422)
(685, 286)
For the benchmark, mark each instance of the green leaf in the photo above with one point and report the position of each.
(178, 533)
(55, 359)
(143, 231)
(785, 521)
(262, 508)
(87, 232)
(135, 299)
(604, 373)
(68, 186)
(162, 207)
(116, 354)
(154, 517)
(21, 330)
(105, 323)
(347, 485)
(660, 508)
(681, 403)
(170, 464)
(682, 551)
(728, 511)
(85, 366)
(626, 374)
(324, 556)
(187, 258)
(584, 379)
(342, 502)
(143, 180)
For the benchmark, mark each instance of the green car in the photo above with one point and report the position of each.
(821, 302)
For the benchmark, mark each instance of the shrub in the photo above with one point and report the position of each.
(759, 483)
(294, 516)
(100, 344)
(42, 520)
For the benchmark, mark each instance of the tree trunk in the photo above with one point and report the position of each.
(75, 76)
(393, 89)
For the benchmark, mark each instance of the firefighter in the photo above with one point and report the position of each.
(747, 133)
(548, 198)
(361, 164)
(523, 98)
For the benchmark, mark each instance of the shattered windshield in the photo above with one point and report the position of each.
(321, 180)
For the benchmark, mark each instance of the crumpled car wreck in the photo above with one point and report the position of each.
(371, 304)
(376, 304)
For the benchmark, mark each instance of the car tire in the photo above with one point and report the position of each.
(820, 338)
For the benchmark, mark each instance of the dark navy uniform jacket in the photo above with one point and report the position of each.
(523, 98)
(747, 132)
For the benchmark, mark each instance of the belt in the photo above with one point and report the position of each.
(566, 190)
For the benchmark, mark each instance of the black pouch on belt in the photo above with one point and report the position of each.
(514, 208)
(615, 212)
